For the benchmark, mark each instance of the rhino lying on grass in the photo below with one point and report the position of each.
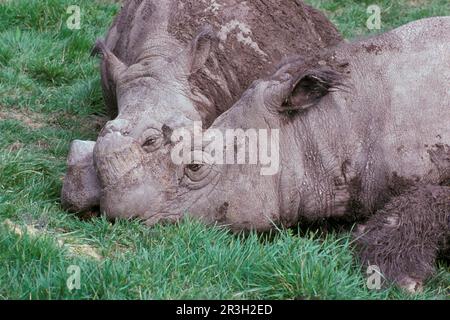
(168, 63)
(362, 123)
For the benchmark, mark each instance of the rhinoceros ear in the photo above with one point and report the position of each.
(310, 87)
(112, 64)
(200, 49)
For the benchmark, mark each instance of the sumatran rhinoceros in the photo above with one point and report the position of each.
(346, 131)
(168, 63)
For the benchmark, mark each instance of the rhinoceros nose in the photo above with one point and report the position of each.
(118, 125)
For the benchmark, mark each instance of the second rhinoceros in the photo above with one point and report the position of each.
(168, 63)
(355, 126)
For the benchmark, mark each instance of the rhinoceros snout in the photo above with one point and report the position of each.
(118, 157)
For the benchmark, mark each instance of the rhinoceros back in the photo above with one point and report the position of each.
(253, 37)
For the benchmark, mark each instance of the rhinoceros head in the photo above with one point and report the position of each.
(153, 98)
(225, 177)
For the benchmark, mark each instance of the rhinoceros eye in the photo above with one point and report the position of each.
(194, 167)
(152, 143)
(196, 172)
(149, 142)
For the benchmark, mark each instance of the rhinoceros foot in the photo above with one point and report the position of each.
(81, 188)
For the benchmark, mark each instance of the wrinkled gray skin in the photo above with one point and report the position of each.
(81, 188)
(370, 118)
(348, 138)
(168, 63)
(382, 120)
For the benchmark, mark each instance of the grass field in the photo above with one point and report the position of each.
(49, 95)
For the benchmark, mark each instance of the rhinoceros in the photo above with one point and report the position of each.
(168, 63)
(355, 125)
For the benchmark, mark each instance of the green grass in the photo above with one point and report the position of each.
(49, 95)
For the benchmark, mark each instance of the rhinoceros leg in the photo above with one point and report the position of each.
(81, 188)
(405, 238)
